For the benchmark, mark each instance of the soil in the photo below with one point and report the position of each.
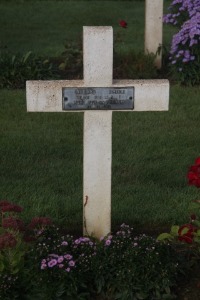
(189, 289)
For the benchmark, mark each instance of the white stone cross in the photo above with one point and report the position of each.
(46, 96)
(154, 28)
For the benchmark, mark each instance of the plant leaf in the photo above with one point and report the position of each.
(174, 230)
(164, 236)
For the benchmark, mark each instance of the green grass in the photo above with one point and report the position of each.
(41, 161)
(44, 26)
(41, 153)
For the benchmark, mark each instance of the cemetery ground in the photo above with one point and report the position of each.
(41, 154)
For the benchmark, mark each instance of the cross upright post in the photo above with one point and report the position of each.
(97, 95)
(154, 29)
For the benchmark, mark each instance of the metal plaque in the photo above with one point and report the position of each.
(107, 98)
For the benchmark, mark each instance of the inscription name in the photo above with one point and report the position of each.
(115, 98)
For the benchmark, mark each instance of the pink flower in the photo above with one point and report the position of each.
(68, 269)
(60, 259)
(60, 266)
(68, 256)
(71, 263)
(64, 243)
(108, 242)
(52, 263)
(43, 266)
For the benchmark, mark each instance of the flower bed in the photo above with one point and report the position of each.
(38, 261)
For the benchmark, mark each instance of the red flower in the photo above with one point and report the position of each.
(11, 207)
(188, 235)
(194, 173)
(197, 161)
(39, 222)
(7, 240)
(13, 223)
(29, 239)
(4, 203)
(123, 24)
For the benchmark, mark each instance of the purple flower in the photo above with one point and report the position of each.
(64, 243)
(52, 263)
(60, 259)
(44, 261)
(68, 269)
(108, 242)
(77, 241)
(84, 239)
(54, 255)
(71, 263)
(43, 266)
(68, 256)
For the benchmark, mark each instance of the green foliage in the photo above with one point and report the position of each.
(13, 248)
(120, 266)
(130, 65)
(71, 65)
(16, 69)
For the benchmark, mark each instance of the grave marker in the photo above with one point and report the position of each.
(154, 28)
(105, 95)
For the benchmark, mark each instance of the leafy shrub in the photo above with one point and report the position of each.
(13, 246)
(185, 50)
(188, 234)
(119, 266)
(39, 261)
(16, 69)
(134, 66)
(71, 61)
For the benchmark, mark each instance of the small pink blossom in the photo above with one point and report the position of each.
(52, 263)
(60, 259)
(64, 243)
(71, 263)
(68, 256)
(108, 242)
(68, 269)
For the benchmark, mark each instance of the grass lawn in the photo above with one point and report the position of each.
(44, 26)
(41, 161)
(41, 153)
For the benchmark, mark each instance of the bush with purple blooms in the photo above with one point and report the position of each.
(119, 266)
(185, 48)
(56, 265)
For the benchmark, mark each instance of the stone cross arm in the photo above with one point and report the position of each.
(46, 96)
